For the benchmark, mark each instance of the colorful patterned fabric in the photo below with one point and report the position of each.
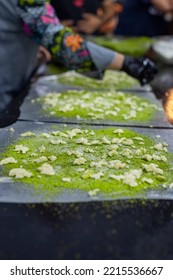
(40, 22)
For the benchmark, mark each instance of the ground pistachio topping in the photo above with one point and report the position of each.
(112, 79)
(88, 161)
(109, 105)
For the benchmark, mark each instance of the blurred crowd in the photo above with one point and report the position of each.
(119, 17)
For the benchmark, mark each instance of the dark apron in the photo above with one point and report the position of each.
(17, 51)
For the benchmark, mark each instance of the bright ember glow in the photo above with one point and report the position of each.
(168, 105)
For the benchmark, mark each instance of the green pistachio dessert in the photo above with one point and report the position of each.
(112, 80)
(104, 162)
(131, 46)
(98, 105)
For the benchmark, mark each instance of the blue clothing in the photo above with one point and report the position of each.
(139, 18)
(18, 50)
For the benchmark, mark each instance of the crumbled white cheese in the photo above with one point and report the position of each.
(27, 134)
(138, 139)
(68, 180)
(78, 153)
(113, 147)
(136, 172)
(77, 131)
(70, 152)
(62, 134)
(131, 177)
(159, 147)
(147, 180)
(153, 168)
(11, 129)
(140, 152)
(87, 174)
(71, 134)
(105, 140)
(118, 140)
(118, 131)
(117, 164)
(80, 161)
(21, 149)
(46, 169)
(140, 109)
(98, 164)
(112, 153)
(80, 169)
(165, 144)
(58, 142)
(110, 112)
(116, 177)
(82, 141)
(34, 155)
(156, 157)
(159, 158)
(46, 135)
(115, 141)
(8, 160)
(52, 113)
(130, 180)
(88, 150)
(41, 149)
(52, 158)
(132, 114)
(40, 159)
(147, 157)
(128, 142)
(97, 176)
(20, 173)
(66, 108)
(93, 193)
(127, 153)
(55, 133)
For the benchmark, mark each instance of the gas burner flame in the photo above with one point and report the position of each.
(168, 105)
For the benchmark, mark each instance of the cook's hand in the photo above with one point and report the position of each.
(68, 22)
(89, 24)
(142, 69)
(163, 5)
(44, 54)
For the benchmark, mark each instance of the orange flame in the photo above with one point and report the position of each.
(168, 105)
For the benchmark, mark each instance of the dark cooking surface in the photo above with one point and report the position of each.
(83, 230)
(87, 231)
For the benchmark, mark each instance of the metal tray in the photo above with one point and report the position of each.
(21, 193)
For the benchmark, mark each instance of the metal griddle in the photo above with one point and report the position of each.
(121, 229)
(33, 111)
(21, 193)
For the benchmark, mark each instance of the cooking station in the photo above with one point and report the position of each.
(73, 225)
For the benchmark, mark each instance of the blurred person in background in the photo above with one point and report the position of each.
(145, 18)
(87, 16)
(26, 24)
